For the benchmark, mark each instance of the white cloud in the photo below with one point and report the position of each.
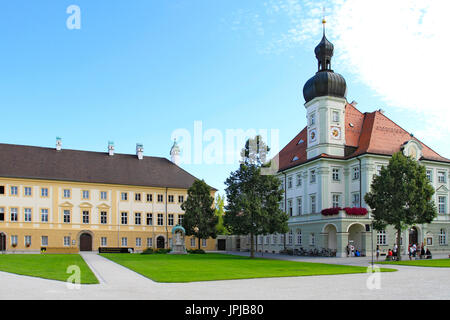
(398, 48)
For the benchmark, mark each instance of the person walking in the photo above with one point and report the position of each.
(394, 252)
(378, 251)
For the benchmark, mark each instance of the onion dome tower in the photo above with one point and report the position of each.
(325, 100)
(325, 82)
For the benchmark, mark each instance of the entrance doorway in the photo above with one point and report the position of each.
(160, 242)
(221, 244)
(85, 242)
(2, 242)
(356, 237)
(331, 233)
(413, 236)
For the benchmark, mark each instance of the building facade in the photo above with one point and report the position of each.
(331, 164)
(81, 201)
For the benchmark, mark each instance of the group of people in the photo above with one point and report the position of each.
(352, 251)
(413, 251)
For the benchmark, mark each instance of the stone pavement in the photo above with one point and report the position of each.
(117, 282)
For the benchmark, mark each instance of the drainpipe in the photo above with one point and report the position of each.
(167, 230)
(360, 181)
(285, 204)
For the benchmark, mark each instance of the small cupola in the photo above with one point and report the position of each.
(111, 148)
(175, 153)
(58, 144)
(140, 151)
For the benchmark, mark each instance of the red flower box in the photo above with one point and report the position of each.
(356, 211)
(331, 211)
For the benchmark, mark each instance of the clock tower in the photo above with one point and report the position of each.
(325, 96)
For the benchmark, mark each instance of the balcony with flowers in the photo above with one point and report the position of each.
(347, 212)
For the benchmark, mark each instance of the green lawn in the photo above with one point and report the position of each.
(47, 266)
(438, 263)
(207, 267)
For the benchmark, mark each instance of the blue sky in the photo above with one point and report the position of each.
(138, 70)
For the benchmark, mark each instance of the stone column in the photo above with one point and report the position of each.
(342, 241)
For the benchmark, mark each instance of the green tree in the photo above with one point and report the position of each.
(220, 212)
(401, 196)
(253, 200)
(199, 218)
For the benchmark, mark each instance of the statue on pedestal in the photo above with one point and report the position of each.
(178, 234)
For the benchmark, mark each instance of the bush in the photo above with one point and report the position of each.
(196, 251)
(148, 251)
(162, 251)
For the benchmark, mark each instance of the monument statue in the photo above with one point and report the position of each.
(178, 234)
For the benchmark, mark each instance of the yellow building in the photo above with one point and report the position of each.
(80, 200)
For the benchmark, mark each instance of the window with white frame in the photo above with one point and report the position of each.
(299, 180)
(312, 119)
(274, 239)
(335, 116)
(14, 240)
(180, 199)
(27, 213)
(27, 191)
(312, 176)
(160, 198)
(282, 205)
(137, 218)
(355, 199)
(104, 241)
(355, 173)
(443, 237)
(441, 176)
(124, 196)
(44, 241)
(137, 197)
(336, 174)
(27, 241)
(267, 239)
(66, 241)
(160, 219)
(203, 242)
(103, 217)
(171, 199)
(149, 242)
(282, 184)
(336, 200)
(66, 193)
(124, 241)
(14, 214)
(170, 219)
(430, 175)
(192, 242)
(379, 169)
(138, 242)
(299, 206)
(313, 203)
(442, 204)
(86, 216)
(180, 219)
(14, 191)
(103, 195)
(44, 215)
(149, 219)
(289, 182)
(66, 216)
(124, 218)
(149, 197)
(2, 214)
(290, 237)
(299, 236)
(312, 239)
(282, 237)
(381, 238)
(85, 194)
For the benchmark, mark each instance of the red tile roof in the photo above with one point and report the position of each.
(364, 133)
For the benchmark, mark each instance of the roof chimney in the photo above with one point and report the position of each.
(58, 144)
(140, 151)
(110, 148)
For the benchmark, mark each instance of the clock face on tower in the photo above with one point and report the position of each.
(313, 135)
(335, 132)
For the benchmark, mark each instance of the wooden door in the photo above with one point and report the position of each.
(85, 242)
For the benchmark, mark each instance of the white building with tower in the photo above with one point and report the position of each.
(328, 168)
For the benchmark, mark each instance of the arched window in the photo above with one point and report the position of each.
(442, 237)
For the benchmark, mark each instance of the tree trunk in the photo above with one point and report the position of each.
(252, 244)
(399, 237)
(199, 243)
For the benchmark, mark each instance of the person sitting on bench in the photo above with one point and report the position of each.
(428, 254)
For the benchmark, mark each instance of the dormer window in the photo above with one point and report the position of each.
(300, 142)
(295, 159)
